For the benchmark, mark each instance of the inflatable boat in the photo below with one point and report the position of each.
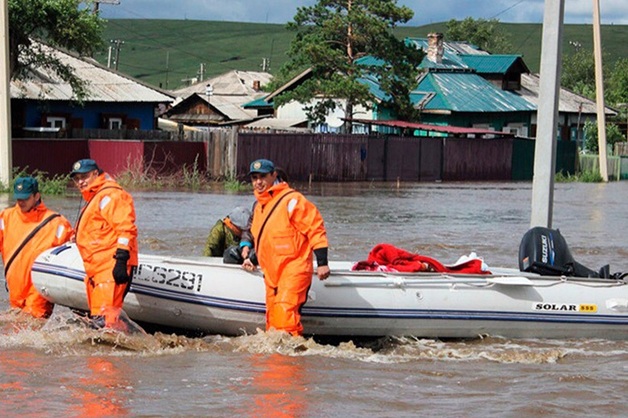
(207, 296)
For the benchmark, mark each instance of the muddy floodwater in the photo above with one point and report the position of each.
(59, 369)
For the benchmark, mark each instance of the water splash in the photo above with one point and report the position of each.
(66, 334)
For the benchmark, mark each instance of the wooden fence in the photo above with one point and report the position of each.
(305, 157)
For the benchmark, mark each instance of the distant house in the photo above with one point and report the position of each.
(465, 87)
(44, 103)
(573, 110)
(292, 116)
(219, 101)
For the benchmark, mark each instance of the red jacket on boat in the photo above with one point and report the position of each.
(401, 260)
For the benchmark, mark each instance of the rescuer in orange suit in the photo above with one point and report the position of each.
(46, 229)
(106, 237)
(286, 228)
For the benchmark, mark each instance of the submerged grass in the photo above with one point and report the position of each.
(232, 184)
(55, 185)
(136, 177)
(582, 177)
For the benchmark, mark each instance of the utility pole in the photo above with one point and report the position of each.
(167, 67)
(201, 72)
(547, 115)
(6, 158)
(270, 55)
(118, 45)
(109, 58)
(209, 90)
(265, 65)
(96, 8)
(599, 90)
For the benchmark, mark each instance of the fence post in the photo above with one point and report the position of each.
(232, 153)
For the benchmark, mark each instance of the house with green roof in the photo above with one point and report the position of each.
(463, 86)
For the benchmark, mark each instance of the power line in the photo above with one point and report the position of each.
(506, 9)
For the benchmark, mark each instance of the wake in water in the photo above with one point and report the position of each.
(67, 334)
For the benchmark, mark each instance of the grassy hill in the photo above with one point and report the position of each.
(165, 52)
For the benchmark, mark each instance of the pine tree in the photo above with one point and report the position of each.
(332, 39)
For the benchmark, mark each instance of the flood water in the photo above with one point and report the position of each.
(65, 370)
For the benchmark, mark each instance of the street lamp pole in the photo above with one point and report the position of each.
(209, 90)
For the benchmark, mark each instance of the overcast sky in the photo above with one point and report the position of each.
(425, 11)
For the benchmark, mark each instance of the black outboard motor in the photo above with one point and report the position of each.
(545, 251)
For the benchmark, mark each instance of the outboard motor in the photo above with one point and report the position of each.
(545, 251)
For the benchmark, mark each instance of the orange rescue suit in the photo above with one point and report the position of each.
(106, 223)
(15, 226)
(284, 250)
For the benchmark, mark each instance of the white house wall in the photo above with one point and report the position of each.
(334, 121)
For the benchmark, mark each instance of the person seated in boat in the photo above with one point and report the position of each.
(230, 237)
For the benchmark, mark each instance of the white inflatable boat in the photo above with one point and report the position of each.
(207, 296)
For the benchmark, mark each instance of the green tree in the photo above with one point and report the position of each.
(578, 72)
(613, 135)
(578, 75)
(332, 38)
(618, 83)
(485, 34)
(67, 24)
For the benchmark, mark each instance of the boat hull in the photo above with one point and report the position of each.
(204, 295)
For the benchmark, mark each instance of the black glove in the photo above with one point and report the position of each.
(120, 274)
(253, 257)
(232, 255)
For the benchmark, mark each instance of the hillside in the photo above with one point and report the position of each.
(165, 52)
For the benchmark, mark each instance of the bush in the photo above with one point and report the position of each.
(613, 135)
(136, 177)
(235, 185)
(56, 185)
(584, 177)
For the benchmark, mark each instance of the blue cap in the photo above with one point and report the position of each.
(83, 166)
(261, 166)
(24, 187)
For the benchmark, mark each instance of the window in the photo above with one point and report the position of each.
(55, 122)
(115, 123)
(518, 129)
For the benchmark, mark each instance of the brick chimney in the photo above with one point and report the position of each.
(256, 85)
(435, 47)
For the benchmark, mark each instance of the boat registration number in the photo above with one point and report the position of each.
(169, 276)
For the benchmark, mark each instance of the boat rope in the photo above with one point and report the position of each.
(400, 282)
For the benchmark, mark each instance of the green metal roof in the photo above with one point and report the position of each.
(374, 87)
(490, 64)
(459, 56)
(416, 97)
(468, 92)
(258, 103)
(451, 55)
(370, 60)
